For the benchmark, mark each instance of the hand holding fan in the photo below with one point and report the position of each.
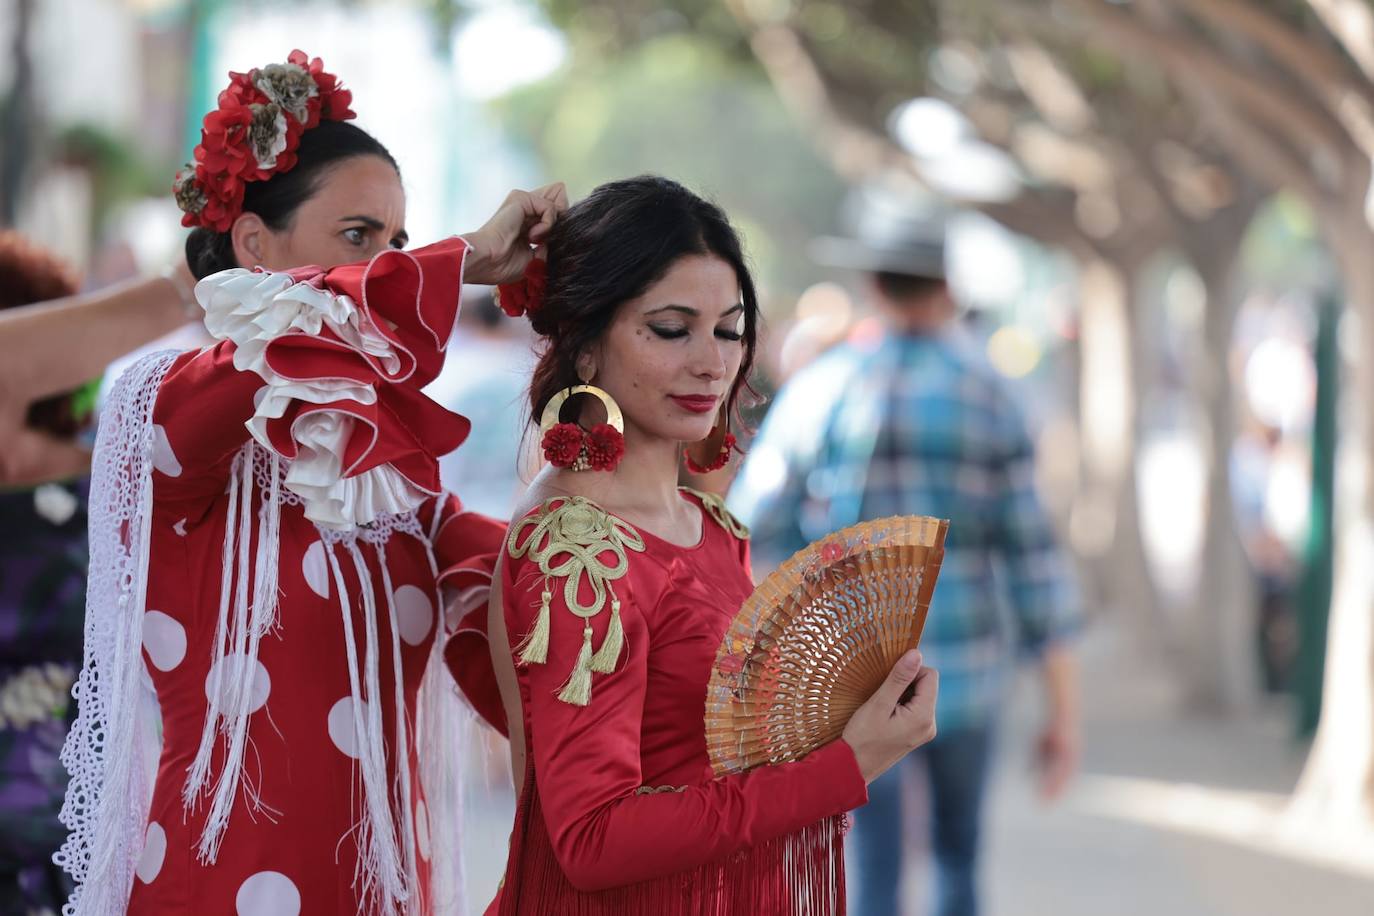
(817, 637)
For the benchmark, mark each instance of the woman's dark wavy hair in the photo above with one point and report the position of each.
(277, 199)
(608, 249)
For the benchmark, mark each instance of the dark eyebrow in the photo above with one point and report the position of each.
(691, 312)
(372, 223)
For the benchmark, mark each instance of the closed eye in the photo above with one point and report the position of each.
(668, 332)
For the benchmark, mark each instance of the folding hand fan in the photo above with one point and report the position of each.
(817, 637)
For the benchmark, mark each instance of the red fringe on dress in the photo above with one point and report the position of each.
(801, 874)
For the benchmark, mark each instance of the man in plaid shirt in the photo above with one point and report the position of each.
(916, 422)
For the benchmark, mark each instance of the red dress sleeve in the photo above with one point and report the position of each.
(586, 759)
(198, 422)
(324, 368)
(466, 547)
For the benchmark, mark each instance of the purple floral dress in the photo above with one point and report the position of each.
(42, 602)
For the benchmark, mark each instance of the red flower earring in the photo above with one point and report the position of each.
(568, 445)
(713, 452)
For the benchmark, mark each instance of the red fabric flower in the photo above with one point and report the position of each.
(562, 444)
(240, 91)
(605, 447)
(526, 295)
(333, 100)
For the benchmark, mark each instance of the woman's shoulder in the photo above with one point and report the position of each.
(565, 535)
(714, 506)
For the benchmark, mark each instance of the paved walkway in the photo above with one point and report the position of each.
(1172, 816)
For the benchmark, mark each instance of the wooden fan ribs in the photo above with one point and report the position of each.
(817, 637)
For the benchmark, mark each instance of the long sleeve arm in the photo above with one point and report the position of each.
(199, 422)
(1039, 585)
(466, 547)
(605, 832)
(324, 368)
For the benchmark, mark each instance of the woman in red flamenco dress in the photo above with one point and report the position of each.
(269, 541)
(614, 588)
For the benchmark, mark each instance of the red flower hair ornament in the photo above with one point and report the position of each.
(526, 295)
(253, 134)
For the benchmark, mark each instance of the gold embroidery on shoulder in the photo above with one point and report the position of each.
(655, 790)
(715, 507)
(569, 538)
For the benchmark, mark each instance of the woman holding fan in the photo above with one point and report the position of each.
(615, 588)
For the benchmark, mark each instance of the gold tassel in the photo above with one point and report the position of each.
(603, 662)
(534, 648)
(578, 689)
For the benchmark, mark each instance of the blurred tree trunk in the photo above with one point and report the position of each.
(1299, 115)
(1223, 671)
(1338, 781)
(1105, 523)
(16, 138)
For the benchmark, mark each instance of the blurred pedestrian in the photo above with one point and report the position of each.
(915, 421)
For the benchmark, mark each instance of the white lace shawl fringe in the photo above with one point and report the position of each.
(111, 750)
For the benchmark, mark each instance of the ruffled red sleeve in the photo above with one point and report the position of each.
(336, 360)
(586, 759)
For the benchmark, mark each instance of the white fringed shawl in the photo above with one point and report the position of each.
(112, 749)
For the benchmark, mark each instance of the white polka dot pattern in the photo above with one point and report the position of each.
(154, 853)
(414, 614)
(164, 639)
(268, 893)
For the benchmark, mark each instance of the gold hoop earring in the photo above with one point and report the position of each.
(568, 445)
(713, 452)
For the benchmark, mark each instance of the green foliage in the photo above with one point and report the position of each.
(119, 170)
(1282, 249)
(680, 107)
(610, 27)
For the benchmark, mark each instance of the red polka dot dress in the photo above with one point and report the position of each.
(292, 611)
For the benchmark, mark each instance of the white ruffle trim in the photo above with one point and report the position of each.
(253, 308)
(317, 476)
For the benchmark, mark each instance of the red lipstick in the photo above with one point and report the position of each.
(696, 403)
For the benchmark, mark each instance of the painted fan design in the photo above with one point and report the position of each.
(817, 637)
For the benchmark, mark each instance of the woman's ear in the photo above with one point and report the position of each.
(249, 236)
(586, 367)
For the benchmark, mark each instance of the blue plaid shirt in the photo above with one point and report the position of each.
(920, 425)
